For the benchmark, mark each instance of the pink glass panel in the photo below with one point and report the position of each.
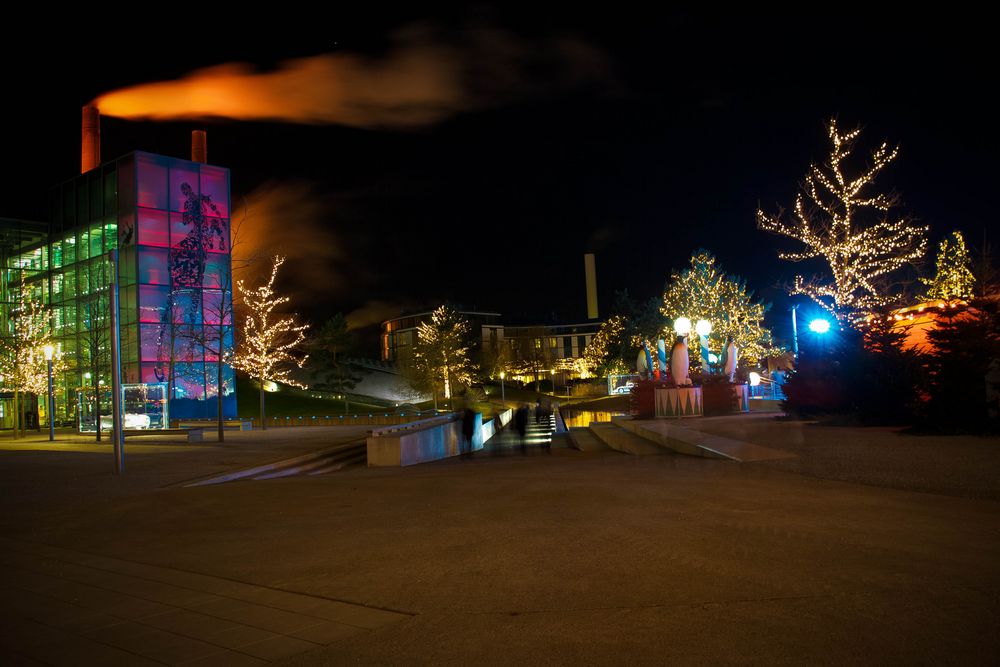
(215, 184)
(152, 186)
(153, 228)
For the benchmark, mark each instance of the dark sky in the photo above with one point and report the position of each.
(636, 135)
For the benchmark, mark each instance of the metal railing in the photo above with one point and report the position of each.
(767, 389)
(361, 418)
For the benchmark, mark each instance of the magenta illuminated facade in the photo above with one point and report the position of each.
(169, 218)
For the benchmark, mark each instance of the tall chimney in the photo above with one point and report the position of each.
(590, 269)
(199, 146)
(90, 147)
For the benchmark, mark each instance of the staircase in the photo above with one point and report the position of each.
(538, 434)
(315, 463)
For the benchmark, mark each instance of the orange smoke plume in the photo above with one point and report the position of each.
(412, 87)
(427, 77)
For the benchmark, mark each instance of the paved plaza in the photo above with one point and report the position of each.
(866, 547)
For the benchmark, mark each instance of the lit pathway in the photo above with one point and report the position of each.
(538, 437)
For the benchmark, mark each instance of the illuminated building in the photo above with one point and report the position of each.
(169, 219)
(542, 348)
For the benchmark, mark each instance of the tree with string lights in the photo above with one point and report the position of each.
(441, 350)
(23, 367)
(704, 291)
(268, 348)
(841, 221)
(953, 279)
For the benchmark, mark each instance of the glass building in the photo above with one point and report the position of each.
(169, 219)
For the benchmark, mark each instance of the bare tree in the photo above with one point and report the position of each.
(830, 219)
(269, 344)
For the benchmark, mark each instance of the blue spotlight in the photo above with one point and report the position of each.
(819, 326)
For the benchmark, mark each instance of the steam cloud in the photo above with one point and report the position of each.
(423, 79)
(291, 219)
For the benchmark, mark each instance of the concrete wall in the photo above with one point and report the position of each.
(418, 444)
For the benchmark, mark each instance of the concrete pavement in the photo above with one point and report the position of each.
(574, 557)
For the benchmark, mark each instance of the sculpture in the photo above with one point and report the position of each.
(730, 357)
(679, 361)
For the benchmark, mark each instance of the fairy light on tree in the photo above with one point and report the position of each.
(22, 349)
(604, 352)
(267, 351)
(703, 292)
(442, 349)
(840, 221)
(954, 279)
(612, 350)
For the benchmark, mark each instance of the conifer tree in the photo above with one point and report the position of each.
(954, 279)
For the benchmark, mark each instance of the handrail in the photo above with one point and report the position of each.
(431, 421)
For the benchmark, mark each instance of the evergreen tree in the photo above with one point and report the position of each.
(966, 348)
(703, 291)
(331, 342)
(954, 279)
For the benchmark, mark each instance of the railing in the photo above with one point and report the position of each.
(767, 389)
(360, 418)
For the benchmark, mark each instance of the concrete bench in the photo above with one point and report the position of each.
(229, 424)
(192, 434)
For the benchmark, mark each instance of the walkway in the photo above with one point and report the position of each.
(537, 437)
(73, 608)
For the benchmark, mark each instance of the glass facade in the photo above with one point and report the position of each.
(169, 219)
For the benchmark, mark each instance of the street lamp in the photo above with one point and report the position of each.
(819, 326)
(49, 351)
(503, 394)
(682, 326)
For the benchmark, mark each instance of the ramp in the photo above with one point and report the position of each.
(620, 439)
(667, 433)
(581, 438)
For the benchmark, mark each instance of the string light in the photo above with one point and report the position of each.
(826, 221)
(954, 279)
(267, 349)
(22, 352)
(441, 349)
(703, 292)
(603, 353)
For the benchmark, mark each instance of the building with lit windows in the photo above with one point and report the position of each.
(540, 350)
(169, 220)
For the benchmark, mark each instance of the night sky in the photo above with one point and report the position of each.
(634, 135)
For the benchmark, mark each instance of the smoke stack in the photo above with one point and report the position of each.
(590, 269)
(90, 147)
(199, 146)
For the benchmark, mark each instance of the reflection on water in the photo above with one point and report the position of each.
(585, 417)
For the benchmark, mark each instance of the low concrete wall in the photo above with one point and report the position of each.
(490, 428)
(438, 438)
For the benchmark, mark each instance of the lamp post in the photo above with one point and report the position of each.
(49, 351)
(795, 332)
(503, 394)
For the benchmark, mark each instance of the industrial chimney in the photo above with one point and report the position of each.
(90, 147)
(199, 146)
(590, 269)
